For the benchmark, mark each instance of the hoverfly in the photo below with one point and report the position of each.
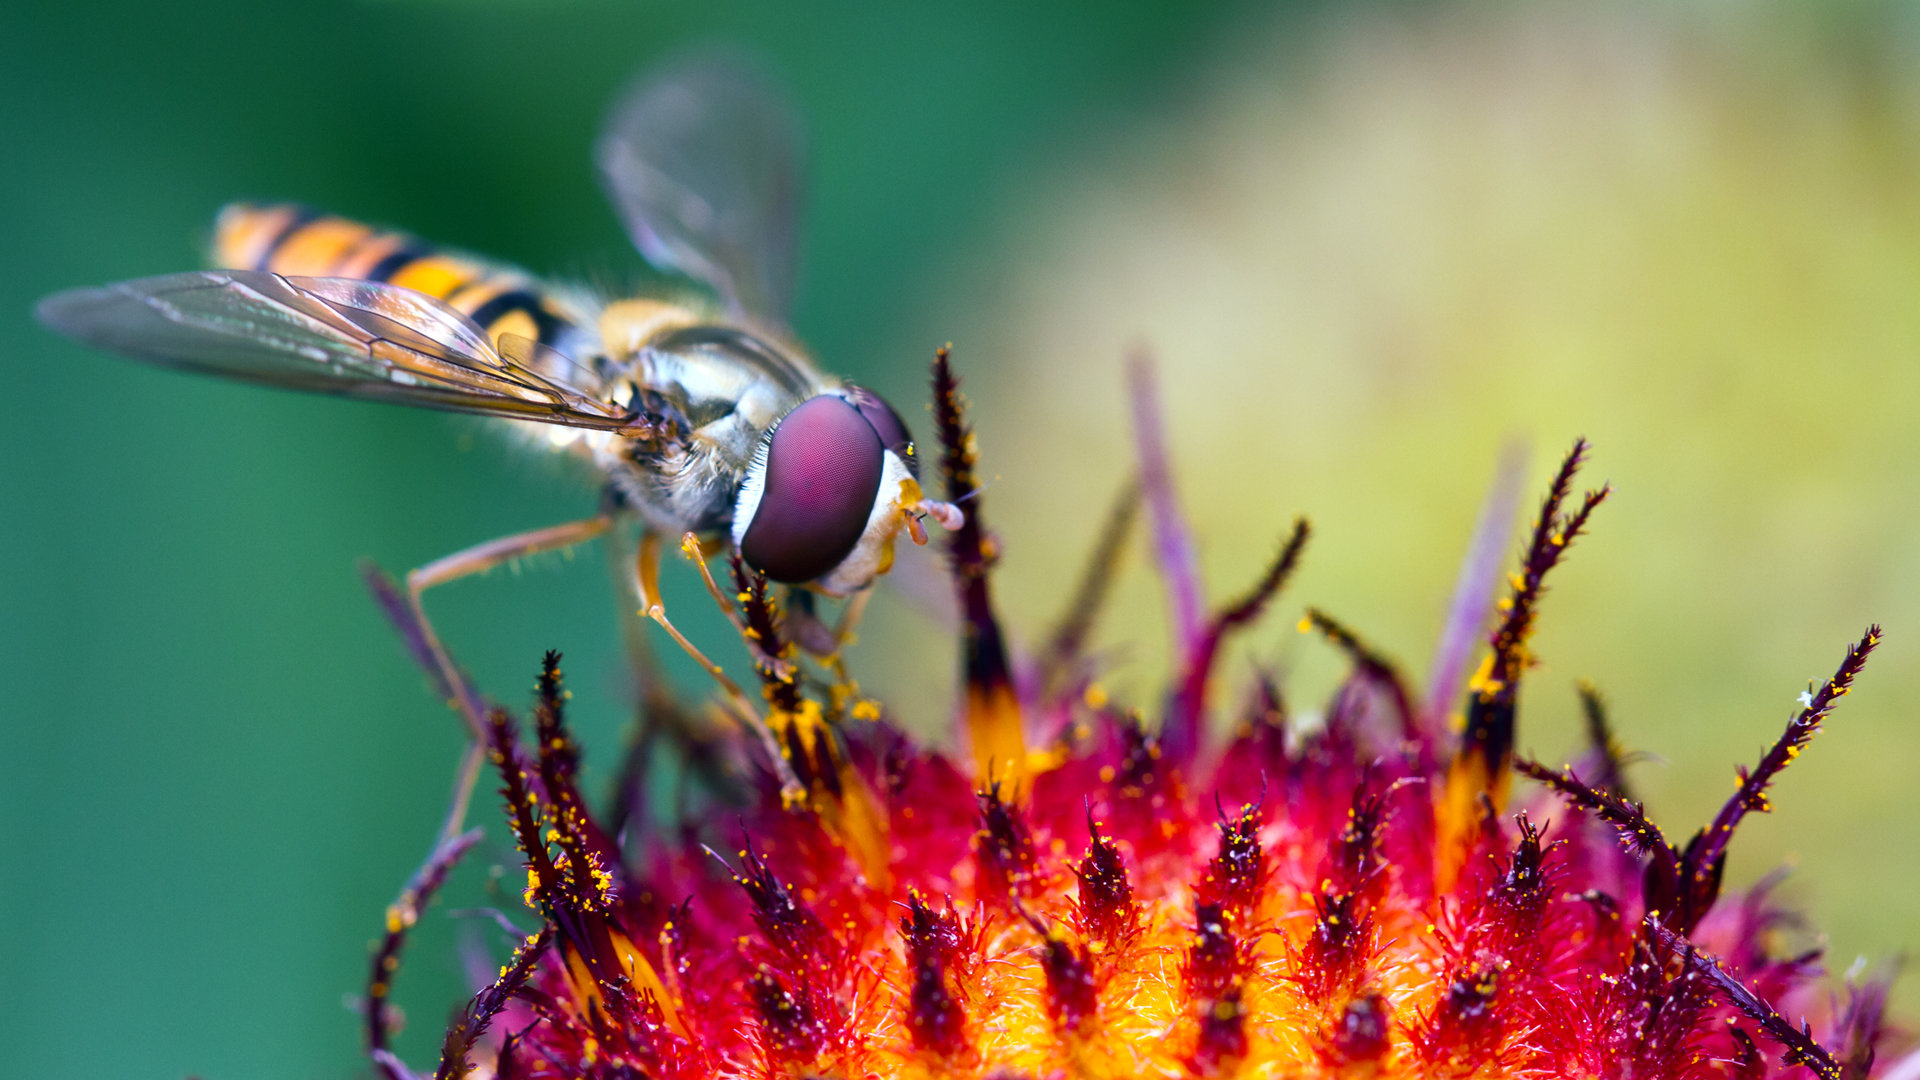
(704, 420)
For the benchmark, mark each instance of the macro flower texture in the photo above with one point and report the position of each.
(1204, 885)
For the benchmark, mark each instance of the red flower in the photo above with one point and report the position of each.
(1087, 894)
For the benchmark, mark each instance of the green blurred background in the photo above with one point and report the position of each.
(1369, 246)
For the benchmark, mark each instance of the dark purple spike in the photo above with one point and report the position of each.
(1073, 994)
(994, 723)
(1005, 844)
(589, 851)
(401, 917)
(1108, 912)
(1488, 739)
(938, 933)
(766, 642)
(556, 747)
(1223, 1035)
(577, 917)
(1353, 862)
(1216, 964)
(523, 811)
(1705, 857)
(1338, 948)
(487, 1004)
(1237, 875)
(1799, 1043)
(789, 1032)
(1362, 1032)
(935, 1016)
(788, 925)
(1511, 920)
(1522, 887)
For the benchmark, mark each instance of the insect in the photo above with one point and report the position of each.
(705, 419)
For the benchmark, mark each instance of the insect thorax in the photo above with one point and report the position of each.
(727, 386)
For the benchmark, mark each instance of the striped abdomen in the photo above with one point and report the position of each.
(288, 239)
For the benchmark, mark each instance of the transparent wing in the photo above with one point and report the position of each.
(703, 160)
(332, 336)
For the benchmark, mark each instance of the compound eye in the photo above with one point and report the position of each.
(893, 430)
(822, 474)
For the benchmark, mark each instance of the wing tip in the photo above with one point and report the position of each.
(75, 314)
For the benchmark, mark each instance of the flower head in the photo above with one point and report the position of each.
(1093, 890)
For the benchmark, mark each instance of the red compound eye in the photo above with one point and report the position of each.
(893, 430)
(822, 473)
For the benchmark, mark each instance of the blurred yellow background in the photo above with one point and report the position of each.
(1368, 246)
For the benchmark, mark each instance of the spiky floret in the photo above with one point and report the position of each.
(1085, 894)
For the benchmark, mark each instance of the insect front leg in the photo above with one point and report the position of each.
(647, 575)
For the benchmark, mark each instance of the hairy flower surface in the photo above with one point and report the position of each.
(1184, 890)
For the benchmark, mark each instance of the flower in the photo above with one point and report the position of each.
(1086, 893)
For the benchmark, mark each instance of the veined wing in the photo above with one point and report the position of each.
(329, 335)
(703, 162)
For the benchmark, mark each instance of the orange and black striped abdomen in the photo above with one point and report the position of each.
(289, 239)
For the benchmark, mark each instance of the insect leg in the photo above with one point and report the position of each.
(700, 737)
(476, 560)
(647, 568)
(843, 691)
(850, 615)
(697, 553)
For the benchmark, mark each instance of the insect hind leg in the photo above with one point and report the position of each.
(466, 563)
